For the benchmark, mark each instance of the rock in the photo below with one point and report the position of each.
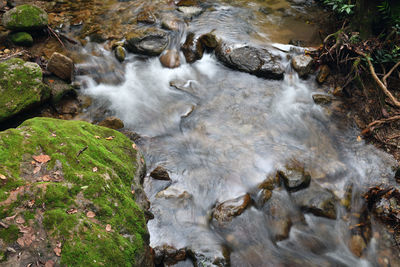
(120, 53)
(169, 255)
(338, 91)
(61, 66)
(68, 106)
(59, 88)
(69, 192)
(21, 87)
(278, 213)
(146, 17)
(148, 41)
(215, 256)
(112, 123)
(294, 177)
(160, 173)
(257, 61)
(357, 245)
(385, 203)
(187, 3)
(302, 64)
(172, 24)
(323, 73)
(170, 59)
(192, 48)
(21, 38)
(225, 211)
(317, 200)
(25, 18)
(190, 11)
(322, 99)
(209, 41)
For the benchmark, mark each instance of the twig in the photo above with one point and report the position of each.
(13, 55)
(56, 35)
(393, 137)
(81, 151)
(390, 73)
(376, 123)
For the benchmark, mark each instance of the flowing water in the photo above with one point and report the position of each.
(223, 132)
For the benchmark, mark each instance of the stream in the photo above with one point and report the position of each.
(221, 133)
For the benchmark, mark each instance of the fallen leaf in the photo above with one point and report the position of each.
(51, 81)
(37, 169)
(90, 214)
(53, 134)
(20, 220)
(49, 263)
(31, 203)
(134, 146)
(72, 211)
(133, 191)
(108, 228)
(42, 158)
(33, 162)
(46, 178)
(97, 137)
(58, 244)
(2, 177)
(21, 242)
(110, 138)
(57, 251)
(95, 169)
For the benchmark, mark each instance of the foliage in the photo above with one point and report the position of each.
(341, 7)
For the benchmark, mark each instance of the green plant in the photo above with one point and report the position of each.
(342, 7)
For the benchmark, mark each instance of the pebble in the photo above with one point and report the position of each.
(7, 51)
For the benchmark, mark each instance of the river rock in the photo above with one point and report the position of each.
(192, 48)
(146, 17)
(209, 40)
(302, 64)
(170, 58)
(169, 255)
(112, 123)
(212, 257)
(294, 177)
(147, 41)
(278, 213)
(171, 23)
(61, 66)
(357, 245)
(323, 74)
(160, 173)
(41, 163)
(120, 53)
(21, 87)
(225, 211)
(187, 3)
(257, 61)
(322, 99)
(59, 88)
(25, 18)
(317, 200)
(21, 38)
(190, 11)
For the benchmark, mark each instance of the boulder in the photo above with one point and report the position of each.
(192, 48)
(160, 173)
(322, 99)
(112, 123)
(209, 41)
(61, 66)
(21, 87)
(323, 74)
(317, 200)
(91, 214)
(120, 53)
(171, 23)
(25, 18)
(225, 211)
(147, 41)
(190, 11)
(21, 38)
(257, 61)
(302, 64)
(170, 58)
(59, 88)
(146, 17)
(169, 255)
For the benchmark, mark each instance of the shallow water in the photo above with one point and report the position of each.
(223, 132)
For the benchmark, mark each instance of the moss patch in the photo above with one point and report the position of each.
(25, 17)
(21, 87)
(60, 194)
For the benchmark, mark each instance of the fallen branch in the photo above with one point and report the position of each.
(56, 35)
(390, 73)
(370, 127)
(81, 151)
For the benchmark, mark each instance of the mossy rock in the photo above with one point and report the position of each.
(25, 18)
(77, 200)
(21, 87)
(21, 38)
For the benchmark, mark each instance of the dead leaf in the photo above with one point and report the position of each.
(51, 81)
(42, 158)
(134, 146)
(110, 138)
(46, 178)
(133, 191)
(90, 214)
(2, 177)
(21, 242)
(58, 244)
(31, 203)
(37, 169)
(20, 220)
(95, 169)
(53, 134)
(57, 251)
(72, 211)
(97, 137)
(108, 228)
(49, 263)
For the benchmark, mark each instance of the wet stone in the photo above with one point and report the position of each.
(169, 255)
(190, 11)
(148, 41)
(120, 53)
(61, 66)
(302, 64)
(209, 40)
(294, 177)
(200, 258)
(323, 74)
(170, 59)
(257, 61)
(112, 123)
(225, 211)
(357, 245)
(322, 99)
(192, 48)
(160, 173)
(146, 17)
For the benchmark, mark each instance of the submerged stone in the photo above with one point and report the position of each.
(72, 194)
(112, 123)
(302, 64)
(170, 59)
(25, 18)
(192, 48)
(225, 211)
(147, 41)
(21, 87)
(21, 38)
(160, 173)
(323, 74)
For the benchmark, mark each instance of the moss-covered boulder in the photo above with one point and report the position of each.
(21, 38)
(25, 18)
(69, 196)
(21, 87)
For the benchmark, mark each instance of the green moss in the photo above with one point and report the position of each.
(99, 180)
(21, 87)
(9, 234)
(21, 38)
(25, 17)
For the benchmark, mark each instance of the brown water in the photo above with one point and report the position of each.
(226, 131)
